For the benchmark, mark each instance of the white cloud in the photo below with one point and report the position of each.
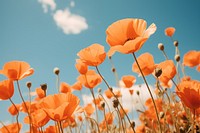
(72, 4)
(48, 3)
(70, 23)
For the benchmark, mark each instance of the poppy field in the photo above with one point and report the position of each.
(173, 104)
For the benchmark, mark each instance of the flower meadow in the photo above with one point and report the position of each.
(172, 105)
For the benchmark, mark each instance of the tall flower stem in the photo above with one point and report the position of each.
(149, 92)
(17, 113)
(115, 97)
(104, 113)
(20, 93)
(91, 90)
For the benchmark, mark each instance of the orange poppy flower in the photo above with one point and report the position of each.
(109, 94)
(146, 63)
(128, 80)
(168, 72)
(64, 87)
(191, 58)
(131, 91)
(12, 110)
(128, 35)
(60, 106)
(40, 93)
(90, 79)
(6, 89)
(77, 86)
(93, 55)
(38, 118)
(169, 31)
(108, 119)
(189, 93)
(17, 70)
(51, 129)
(81, 67)
(12, 128)
(89, 109)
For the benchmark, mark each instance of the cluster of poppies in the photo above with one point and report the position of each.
(165, 111)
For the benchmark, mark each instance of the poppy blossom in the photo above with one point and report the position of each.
(128, 35)
(191, 58)
(89, 109)
(146, 63)
(109, 94)
(81, 67)
(77, 86)
(169, 31)
(168, 72)
(93, 55)
(60, 106)
(17, 70)
(6, 89)
(38, 118)
(90, 79)
(12, 128)
(128, 80)
(189, 93)
(14, 110)
(64, 87)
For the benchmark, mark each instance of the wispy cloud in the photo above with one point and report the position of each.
(48, 3)
(70, 23)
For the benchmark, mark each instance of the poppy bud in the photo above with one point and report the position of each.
(113, 69)
(28, 84)
(56, 70)
(44, 88)
(176, 43)
(99, 90)
(103, 105)
(133, 124)
(158, 72)
(177, 58)
(161, 115)
(161, 46)
(115, 103)
(137, 92)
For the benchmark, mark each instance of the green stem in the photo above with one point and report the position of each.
(20, 93)
(149, 91)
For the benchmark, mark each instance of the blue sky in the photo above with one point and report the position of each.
(31, 33)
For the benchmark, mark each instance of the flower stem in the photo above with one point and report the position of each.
(20, 93)
(91, 90)
(149, 92)
(17, 113)
(115, 97)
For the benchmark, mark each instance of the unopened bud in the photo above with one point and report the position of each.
(56, 70)
(103, 105)
(28, 84)
(176, 43)
(161, 115)
(113, 69)
(161, 46)
(137, 92)
(177, 58)
(99, 90)
(133, 124)
(115, 103)
(158, 72)
(44, 87)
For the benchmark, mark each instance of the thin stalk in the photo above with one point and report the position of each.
(165, 55)
(104, 113)
(58, 83)
(149, 92)
(5, 127)
(60, 126)
(194, 123)
(20, 93)
(17, 113)
(115, 97)
(121, 120)
(91, 90)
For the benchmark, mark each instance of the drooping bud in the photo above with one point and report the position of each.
(44, 88)
(161, 46)
(161, 115)
(113, 69)
(115, 103)
(56, 70)
(133, 124)
(158, 72)
(177, 58)
(137, 92)
(99, 90)
(103, 104)
(176, 43)
(28, 84)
